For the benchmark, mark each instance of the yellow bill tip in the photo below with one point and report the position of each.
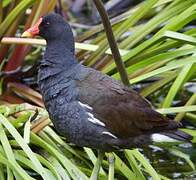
(27, 34)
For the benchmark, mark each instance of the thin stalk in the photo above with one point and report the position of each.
(111, 160)
(191, 101)
(113, 45)
(96, 169)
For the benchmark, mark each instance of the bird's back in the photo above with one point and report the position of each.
(105, 113)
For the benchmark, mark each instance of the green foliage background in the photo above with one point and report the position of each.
(157, 42)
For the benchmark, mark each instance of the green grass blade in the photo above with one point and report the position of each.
(123, 168)
(178, 83)
(24, 146)
(93, 158)
(157, 85)
(13, 166)
(191, 101)
(180, 37)
(170, 66)
(20, 8)
(20, 156)
(186, 157)
(9, 173)
(59, 168)
(9, 153)
(2, 177)
(73, 170)
(27, 129)
(57, 139)
(164, 57)
(177, 109)
(136, 167)
(146, 164)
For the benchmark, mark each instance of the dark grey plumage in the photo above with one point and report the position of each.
(89, 108)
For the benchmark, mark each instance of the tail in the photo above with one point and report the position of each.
(178, 135)
(171, 134)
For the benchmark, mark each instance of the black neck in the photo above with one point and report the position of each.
(60, 45)
(61, 53)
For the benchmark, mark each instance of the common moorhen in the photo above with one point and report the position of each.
(89, 108)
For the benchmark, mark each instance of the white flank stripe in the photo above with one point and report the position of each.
(162, 138)
(85, 105)
(110, 134)
(94, 120)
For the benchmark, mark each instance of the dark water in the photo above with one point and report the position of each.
(169, 161)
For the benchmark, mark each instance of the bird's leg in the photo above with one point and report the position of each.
(111, 160)
(95, 173)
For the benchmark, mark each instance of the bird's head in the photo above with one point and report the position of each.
(50, 27)
(54, 30)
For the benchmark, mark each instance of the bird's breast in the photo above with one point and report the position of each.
(57, 87)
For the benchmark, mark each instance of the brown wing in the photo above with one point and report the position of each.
(123, 110)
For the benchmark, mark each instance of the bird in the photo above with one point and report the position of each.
(89, 108)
